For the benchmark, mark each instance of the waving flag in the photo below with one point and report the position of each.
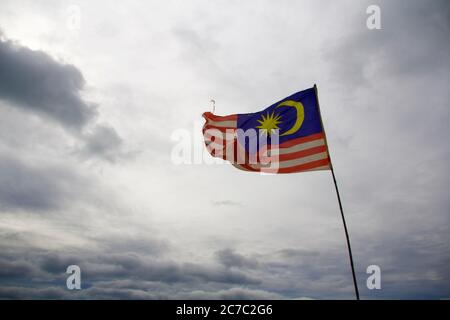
(286, 137)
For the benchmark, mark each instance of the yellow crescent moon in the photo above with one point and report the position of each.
(300, 115)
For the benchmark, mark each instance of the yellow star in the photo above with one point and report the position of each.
(269, 123)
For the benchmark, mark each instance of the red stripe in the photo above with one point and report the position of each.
(226, 152)
(211, 134)
(301, 167)
(293, 142)
(218, 140)
(301, 154)
(222, 129)
(247, 167)
(213, 117)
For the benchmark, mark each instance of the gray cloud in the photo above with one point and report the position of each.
(103, 142)
(118, 275)
(20, 293)
(413, 41)
(36, 82)
(106, 291)
(36, 188)
(385, 105)
(410, 270)
(11, 270)
(230, 258)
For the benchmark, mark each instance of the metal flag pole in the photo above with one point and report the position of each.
(339, 200)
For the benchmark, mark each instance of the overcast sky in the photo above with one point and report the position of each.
(91, 93)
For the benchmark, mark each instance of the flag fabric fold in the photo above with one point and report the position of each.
(286, 137)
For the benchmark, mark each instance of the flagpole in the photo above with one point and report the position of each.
(339, 200)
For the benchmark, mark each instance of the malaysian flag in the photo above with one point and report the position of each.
(286, 137)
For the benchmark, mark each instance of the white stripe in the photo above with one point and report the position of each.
(295, 162)
(211, 132)
(223, 124)
(303, 160)
(303, 146)
(218, 146)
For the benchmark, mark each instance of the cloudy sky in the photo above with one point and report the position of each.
(92, 94)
